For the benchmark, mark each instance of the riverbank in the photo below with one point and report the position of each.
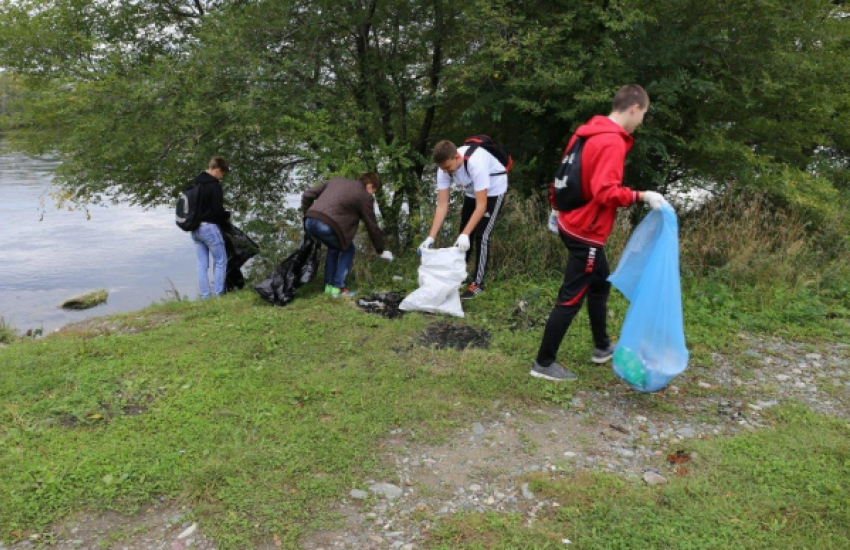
(274, 427)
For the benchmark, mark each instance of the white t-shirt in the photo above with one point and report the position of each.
(481, 165)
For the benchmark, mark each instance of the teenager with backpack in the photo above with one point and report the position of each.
(208, 237)
(333, 211)
(475, 168)
(585, 228)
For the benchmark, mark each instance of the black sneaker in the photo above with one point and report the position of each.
(471, 292)
(603, 355)
(554, 372)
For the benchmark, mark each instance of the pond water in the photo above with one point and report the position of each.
(48, 255)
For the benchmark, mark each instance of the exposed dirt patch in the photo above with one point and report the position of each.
(156, 527)
(445, 334)
(102, 326)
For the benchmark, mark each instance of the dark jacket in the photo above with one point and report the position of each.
(211, 199)
(342, 203)
(602, 162)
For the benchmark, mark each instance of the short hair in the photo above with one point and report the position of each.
(218, 162)
(444, 150)
(628, 95)
(373, 179)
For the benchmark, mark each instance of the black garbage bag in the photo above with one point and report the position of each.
(240, 248)
(296, 270)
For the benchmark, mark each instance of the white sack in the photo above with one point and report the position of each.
(441, 275)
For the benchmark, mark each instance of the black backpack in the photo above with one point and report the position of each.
(567, 185)
(491, 147)
(188, 210)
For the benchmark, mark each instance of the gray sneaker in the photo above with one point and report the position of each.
(554, 372)
(603, 355)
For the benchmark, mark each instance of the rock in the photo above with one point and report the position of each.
(526, 492)
(652, 478)
(686, 432)
(357, 494)
(474, 488)
(86, 300)
(188, 532)
(477, 428)
(783, 377)
(388, 490)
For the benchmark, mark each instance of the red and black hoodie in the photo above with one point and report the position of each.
(602, 161)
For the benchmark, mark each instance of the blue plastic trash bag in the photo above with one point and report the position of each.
(651, 350)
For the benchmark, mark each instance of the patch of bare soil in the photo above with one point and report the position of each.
(445, 334)
(162, 526)
(102, 326)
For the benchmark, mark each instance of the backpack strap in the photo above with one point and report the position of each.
(472, 147)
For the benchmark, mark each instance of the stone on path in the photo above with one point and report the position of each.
(388, 490)
(654, 479)
(358, 494)
(526, 492)
(188, 532)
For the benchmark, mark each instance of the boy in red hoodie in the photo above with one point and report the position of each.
(585, 229)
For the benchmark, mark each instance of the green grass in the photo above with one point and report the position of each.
(261, 417)
(785, 487)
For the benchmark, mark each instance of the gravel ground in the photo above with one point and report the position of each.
(483, 466)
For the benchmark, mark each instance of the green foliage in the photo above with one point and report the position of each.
(135, 96)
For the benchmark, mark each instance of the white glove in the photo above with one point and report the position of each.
(653, 199)
(426, 244)
(553, 221)
(462, 242)
(386, 255)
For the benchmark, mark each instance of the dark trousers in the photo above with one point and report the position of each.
(479, 240)
(586, 274)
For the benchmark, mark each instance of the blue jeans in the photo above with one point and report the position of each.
(337, 262)
(208, 240)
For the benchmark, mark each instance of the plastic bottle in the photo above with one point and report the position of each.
(629, 366)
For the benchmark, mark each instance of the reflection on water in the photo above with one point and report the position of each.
(131, 252)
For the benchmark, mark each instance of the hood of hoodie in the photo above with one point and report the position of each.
(205, 177)
(604, 125)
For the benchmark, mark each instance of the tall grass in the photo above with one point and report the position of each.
(742, 242)
(8, 333)
(748, 242)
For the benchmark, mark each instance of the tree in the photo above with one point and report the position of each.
(135, 96)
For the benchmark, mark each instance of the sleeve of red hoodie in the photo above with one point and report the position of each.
(606, 182)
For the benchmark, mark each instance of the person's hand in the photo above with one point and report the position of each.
(386, 255)
(553, 221)
(653, 199)
(462, 242)
(426, 244)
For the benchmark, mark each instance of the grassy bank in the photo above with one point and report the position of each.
(260, 418)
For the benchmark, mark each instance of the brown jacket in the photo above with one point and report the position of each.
(342, 203)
